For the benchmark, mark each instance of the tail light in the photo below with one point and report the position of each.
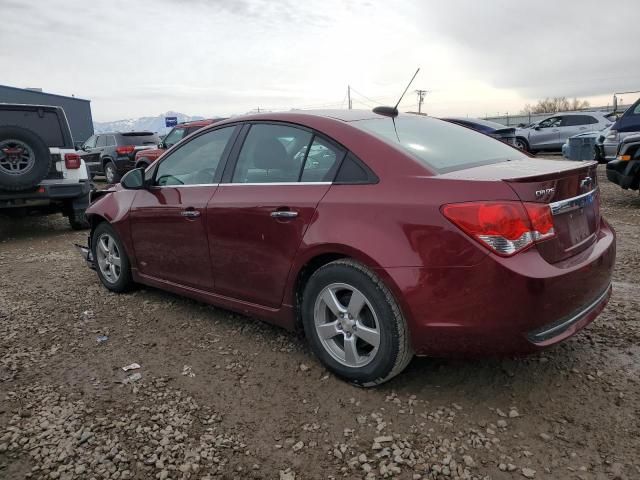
(505, 228)
(72, 161)
(125, 149)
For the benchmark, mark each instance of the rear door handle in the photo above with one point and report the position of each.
(284, 214)
(190, 213)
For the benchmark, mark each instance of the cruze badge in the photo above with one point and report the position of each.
(544, 192)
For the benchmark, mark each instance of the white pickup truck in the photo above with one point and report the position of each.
(40, 170)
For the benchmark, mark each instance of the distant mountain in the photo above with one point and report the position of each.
(152, 124)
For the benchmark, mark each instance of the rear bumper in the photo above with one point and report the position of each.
(505, 306)
(48, 191)
(626, 174)
(124, 164)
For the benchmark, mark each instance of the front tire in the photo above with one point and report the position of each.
(354, 325)
(522, 144)
(111, 173)
(112, 262)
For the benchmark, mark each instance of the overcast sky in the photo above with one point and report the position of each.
(213, 57)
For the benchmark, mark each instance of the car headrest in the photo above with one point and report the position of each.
(270, 154)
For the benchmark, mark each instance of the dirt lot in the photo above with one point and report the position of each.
(226, 396)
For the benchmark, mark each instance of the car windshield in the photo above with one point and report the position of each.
(440, 145)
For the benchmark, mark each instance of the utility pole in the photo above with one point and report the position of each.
(421, 94)
(349, 95)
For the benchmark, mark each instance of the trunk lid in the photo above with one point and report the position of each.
(571, 190)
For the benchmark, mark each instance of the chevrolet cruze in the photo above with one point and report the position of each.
(382, 235)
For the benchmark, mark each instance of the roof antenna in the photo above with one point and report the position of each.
(393, 111)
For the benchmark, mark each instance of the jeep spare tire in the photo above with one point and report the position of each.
(24, 159)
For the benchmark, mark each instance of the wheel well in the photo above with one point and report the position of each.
(106, 160)
(305, 274)
(95, 220)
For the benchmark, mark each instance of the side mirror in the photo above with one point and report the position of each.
(522, 125)
(537, 127)
(78, 146)
(162, 146)
(133, 179)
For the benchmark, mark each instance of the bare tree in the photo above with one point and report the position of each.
(556, 104)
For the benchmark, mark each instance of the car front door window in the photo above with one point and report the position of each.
(195, 162)
(550, 122)
(174, 136)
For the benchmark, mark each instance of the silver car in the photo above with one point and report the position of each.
(552, 132)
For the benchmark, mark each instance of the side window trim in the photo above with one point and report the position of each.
(221, 166)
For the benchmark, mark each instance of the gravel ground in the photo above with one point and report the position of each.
(219, 395)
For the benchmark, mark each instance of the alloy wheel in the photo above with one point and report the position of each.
(347, 325)
(108, 256)
(109, 173)
(16, 157)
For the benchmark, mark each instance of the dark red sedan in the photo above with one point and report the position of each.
(384, 237)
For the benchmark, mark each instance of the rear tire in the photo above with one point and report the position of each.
(25, 159)
(112, 262)
(111, 173)
(78, 220)
(367, 341)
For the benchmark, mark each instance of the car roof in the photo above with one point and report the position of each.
(201, 123)
(294, 115)
(137, 132)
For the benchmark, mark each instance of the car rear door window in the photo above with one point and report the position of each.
(111, 141)
(322, 162)
(575, 120)
(272, 154)
(102, 141)
(197, 161)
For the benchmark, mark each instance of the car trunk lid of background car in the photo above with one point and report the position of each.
(570, 188)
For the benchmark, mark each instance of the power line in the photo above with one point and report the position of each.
(421, 94)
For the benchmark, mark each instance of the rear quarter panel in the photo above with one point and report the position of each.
(396, 223)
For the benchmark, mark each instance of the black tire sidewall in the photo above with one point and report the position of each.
(389, 349)
(112, 166)
(42, 160)
(124, 283)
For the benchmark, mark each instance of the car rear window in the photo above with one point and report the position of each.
(441, 146)
(136, 138)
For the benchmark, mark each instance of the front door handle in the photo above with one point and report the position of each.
(190, 213)
(284, 214)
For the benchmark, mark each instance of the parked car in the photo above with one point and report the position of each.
(627, 124)
(40, 171)
(625, 169)
(411, 236)
(598, 148)
(552, 132)
(493, 129)
(112, 154)
(144, 158)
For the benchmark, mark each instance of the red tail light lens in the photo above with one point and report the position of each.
(506, 228)
(125, 149)
(72, 160)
